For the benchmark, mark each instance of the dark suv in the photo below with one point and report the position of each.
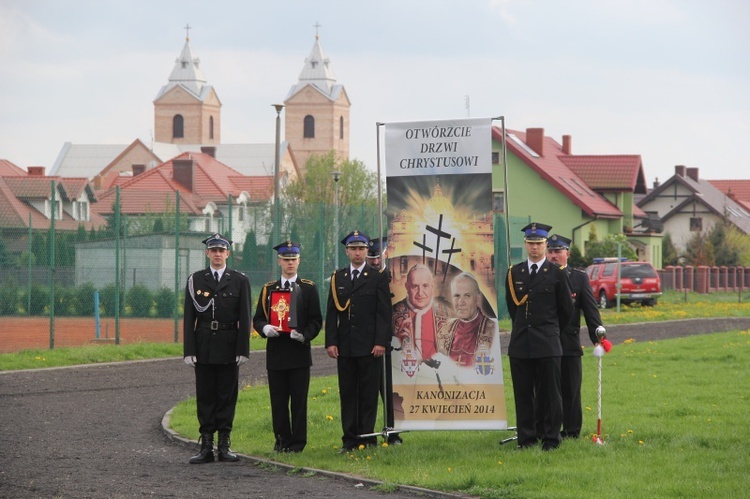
(639, 282)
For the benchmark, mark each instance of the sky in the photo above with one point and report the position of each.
(666, 79)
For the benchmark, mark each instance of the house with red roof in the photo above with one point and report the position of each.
(738, 190)
(547, 183)
(26, 202)
(212, 196)
(688, 204)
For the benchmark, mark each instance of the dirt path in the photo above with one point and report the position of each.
(95, 431)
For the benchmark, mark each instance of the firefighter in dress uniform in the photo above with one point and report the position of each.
(216, 342)
(288, 356)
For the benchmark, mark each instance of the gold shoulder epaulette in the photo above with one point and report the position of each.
(269, 283)
(307, 281)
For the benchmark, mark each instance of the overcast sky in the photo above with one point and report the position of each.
(666, 79)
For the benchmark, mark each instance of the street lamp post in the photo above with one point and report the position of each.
(336, 177)
(277, 178)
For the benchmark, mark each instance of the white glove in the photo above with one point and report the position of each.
(270, 331)
(190, 360)
(599, 351)
(241, 359)
(297, 336)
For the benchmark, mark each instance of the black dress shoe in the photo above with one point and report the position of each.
(546, 446)
(204, 456)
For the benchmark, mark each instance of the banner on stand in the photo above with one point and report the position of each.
(447, 365)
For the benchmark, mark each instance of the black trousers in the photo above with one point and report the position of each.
(572, 373)
(216, 389)
(359, 384)
(288, 389)
(537, 379)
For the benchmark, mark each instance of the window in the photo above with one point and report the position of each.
(178, 125)
(495, 158)
(341, 128)
(696, 224)
(82, 208)
(309, 132)
(211, 127)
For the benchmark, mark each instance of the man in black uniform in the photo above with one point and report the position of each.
(377, 258)
(216, 342)
(537, 293)
(558, 251)
(288, 357)
(358, 321)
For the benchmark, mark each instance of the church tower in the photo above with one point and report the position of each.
(317, 111)
(187, 110)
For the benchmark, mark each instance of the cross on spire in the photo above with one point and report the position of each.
(316, 26)
(187, 32)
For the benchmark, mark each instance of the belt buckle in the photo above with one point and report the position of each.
(214, 325)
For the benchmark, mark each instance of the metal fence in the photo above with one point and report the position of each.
(124, 281)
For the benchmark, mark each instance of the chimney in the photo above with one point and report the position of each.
(535, 140)
(679, 170)
(35, 171)
(566, 144)
(656, 183)
(138, 169)
(183, 172)
(97, 182)
(693, 173)
(210, 150)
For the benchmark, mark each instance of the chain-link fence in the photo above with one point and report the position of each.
(62, 284)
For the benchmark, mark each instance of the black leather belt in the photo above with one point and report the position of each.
(219, 326)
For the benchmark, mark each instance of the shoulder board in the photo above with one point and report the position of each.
(577, 270)
(269, 283)
(307, 281)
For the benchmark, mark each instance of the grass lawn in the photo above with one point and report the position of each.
(674, 421)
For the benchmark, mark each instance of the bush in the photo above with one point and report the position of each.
(63, 301)
(82, 300)
(139, 301)
(9, 299)
(164, 299)
(39, 299)
(107, 300)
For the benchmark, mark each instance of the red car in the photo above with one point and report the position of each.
(639, 282)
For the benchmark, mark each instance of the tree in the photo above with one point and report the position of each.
(249, 251)
(699, 251)
(576, 259)
(669, 255)
(5, 259)
(309, 202)
(607, 248)
(724, 254)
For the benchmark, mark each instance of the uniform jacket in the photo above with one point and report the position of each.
(231, 307)
(358, 315)
(283, 352)
(583, 301)
(539, 310)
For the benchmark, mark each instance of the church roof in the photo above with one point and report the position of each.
(317, 72)
(87, 160)
(188, 74)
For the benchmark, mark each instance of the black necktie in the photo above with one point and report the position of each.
(216, 275)
(355, 274)
(533, 270)
(286, 285)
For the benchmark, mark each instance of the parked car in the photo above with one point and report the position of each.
(639, 282)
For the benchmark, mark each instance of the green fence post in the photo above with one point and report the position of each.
(176, 265)
(51, 247)
(117, 265)
(28, 269)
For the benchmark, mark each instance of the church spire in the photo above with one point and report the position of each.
(187, 71)
(317, 69)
